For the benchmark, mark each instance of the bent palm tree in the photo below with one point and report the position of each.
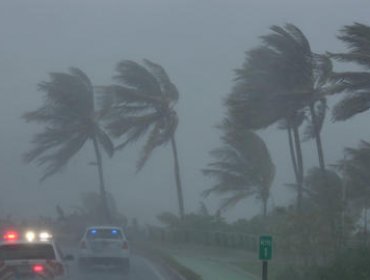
(142, 103)
(304, 78)
(243, 168)
(70, 120)
(284, 81)
(355, 84)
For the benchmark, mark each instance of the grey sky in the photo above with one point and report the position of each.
(198, 42)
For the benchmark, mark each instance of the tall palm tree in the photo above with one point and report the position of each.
(284, 81)
(258, 104)
(142, 104)
(356, 84)
(242, 168)
(70, 120)
(305, 77)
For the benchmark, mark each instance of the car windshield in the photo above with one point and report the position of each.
(26, 252)
(104, 234)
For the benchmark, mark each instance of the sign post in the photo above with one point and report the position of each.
(265, 253)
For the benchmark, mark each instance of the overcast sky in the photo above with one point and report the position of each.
(199, 42)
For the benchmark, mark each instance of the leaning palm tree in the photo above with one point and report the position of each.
(355, 84)
(142, 104)
(304, 75)
(256, 104)
(70, 120)
(284, 81)
(242, 168)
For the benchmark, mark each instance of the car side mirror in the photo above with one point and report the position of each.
(69, 258)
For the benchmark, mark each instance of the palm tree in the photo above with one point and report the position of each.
(305, 77)
(70, 120)
(142, 104)
(257, 104)
(355, 84)
(242, 168)
(284, 81)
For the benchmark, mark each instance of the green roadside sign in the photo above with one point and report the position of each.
(265, 247)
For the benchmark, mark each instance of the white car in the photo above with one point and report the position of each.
(104, 245)
(31, 256)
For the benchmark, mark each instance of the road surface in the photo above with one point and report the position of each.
(141, 269)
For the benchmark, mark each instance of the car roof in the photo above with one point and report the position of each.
(50, 242)
(104, 227)
(5, 243)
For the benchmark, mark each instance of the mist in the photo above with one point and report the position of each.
(199, 43)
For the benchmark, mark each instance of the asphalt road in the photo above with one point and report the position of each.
(141, 269)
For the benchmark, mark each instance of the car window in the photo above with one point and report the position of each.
(26, 251)
(104, 234)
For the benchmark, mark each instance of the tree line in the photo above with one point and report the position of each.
(281, 83)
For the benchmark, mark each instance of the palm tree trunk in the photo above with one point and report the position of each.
(178, 179)
(365, 226)
(300, 172)
(320, 152)
(292, 152)
(103, 193)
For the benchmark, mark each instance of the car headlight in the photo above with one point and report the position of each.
(30, 236)
(44, 235)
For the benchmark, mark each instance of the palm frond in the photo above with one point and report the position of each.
(356, 85)
(168, 89)
(118, 96)
(352, 81)
(83, 77)
(352, 57)
(242, 167)
(69, 116)
(57, 160)
(351, 105)
(161, 134)
(357, 38)
(138, 77)
(133, 125)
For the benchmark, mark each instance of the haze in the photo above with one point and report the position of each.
(199, 43)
